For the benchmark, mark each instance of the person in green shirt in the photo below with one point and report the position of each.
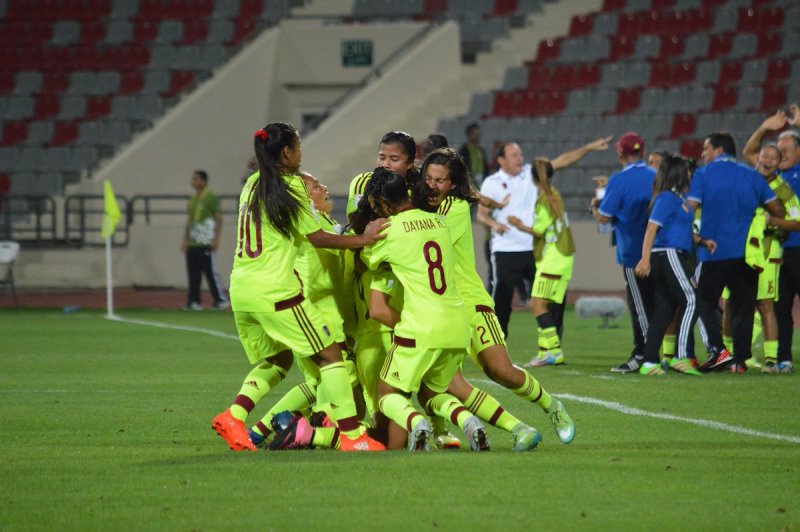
(275, 321)
(200, 241)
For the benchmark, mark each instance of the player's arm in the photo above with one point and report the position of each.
(381, 311)
(595, 208)
(516, 222)
(572, 157)
(492, 204)
(642, 269)
(373, 233)
(484, 218)
(753, 145)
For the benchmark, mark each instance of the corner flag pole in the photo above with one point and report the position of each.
(111, 216)
(109, 277)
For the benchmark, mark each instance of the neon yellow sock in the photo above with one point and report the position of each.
(488, 409)
(771, 351)
(549, 340)
(449, 407)
(256, 386)
(326, 438)
(400, 410)
(757, 326)
(668, 345)
(532, 391)
(335, 385)
(295, 400)
(437, 422)
(728, 341)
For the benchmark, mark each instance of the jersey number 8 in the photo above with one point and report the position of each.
(435, 265)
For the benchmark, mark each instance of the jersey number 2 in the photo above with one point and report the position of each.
(435, 265)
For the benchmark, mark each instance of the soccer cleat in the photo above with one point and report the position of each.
(447, 441)
(476, 434)
(752, 363)
(738, 367)
(220, 305)
(258, 439)
(785, 367)
(631, 366)
(362, 443)
(419, 437)
(546, 358)
(665, 362)
(683, 365)
(716, 359)
(233, 431)
(194, 305)
(297, 435)
(281, 421)
(562, 423)
(770, 367)
(651, 369)
(525, 438)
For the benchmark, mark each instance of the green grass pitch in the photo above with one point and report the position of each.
(106, 426)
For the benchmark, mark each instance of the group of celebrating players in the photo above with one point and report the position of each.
(390, 304)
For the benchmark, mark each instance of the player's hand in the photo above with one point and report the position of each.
(516, 222)
(601, 180)
(794, 115)
(642, 268)
(500, 228)
(599, 144)
(776, 121)
(710, 245)
(374, 230)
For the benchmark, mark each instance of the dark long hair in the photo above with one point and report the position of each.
(409, 147)
(457, 172)
(384, 184)
(673, 174)
(271, 192)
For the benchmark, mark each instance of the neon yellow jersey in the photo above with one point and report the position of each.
(556, 244)
(417, 247)
(263, 265)
(356, 191)
(363, 284)
(320, 269)
(456, 216)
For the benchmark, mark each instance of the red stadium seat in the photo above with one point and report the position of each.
(774, 97)
(769, 43)
(564, 76)
(719, 45)
(91, 33)
(540, 76)
(194, 31)
(671, 45)
(731, 72)
(614, 5)
(628, 100)
(621, 47)
(55, 82)
(250, 8)
(65, 133)
(14, 133)
(661, 75)
(504, 103)
(179, 81)
(47, 106)
(662, 5)
(145, 30)
(242, 28)
(98, 107)
(528, 103)
(131, 82)
(724, 98)
(548, 49)
(778, 69)
(683, 125)
(588, 74)
(691, 148)
(684, 73)
(8, 80)
(504, 8)
(581, 25)
(435, 6)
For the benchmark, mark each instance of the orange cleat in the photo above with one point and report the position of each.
(362, 443)
(233, 431)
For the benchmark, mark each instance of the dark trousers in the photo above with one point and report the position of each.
(788, 288)
(199, 262)
(640, 304)
(742, 281)
(673, 290)
(508, 268)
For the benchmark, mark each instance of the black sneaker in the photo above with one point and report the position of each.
(631, 366)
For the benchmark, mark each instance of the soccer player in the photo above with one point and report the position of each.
(666, 252)
(272, 316)
(432, 331)
(446, 189)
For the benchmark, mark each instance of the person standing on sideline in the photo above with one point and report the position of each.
(200, 241)
(473, 155)
(625, 204)
(512, 249)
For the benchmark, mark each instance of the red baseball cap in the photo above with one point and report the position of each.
(630, 144)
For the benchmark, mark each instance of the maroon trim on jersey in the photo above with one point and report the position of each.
(455, 413)
(289, 303)
(404, 342)
(245, 402)
(550, 276)
(496, 415)
(265, 431)
(410, 419)
(484, 308)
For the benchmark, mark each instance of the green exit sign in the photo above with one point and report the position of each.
(357, 53)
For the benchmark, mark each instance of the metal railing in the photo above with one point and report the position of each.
(30, 218)
(83, 218)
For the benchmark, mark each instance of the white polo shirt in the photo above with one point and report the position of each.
(521, 204)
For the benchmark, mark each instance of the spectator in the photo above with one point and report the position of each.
(473, 154)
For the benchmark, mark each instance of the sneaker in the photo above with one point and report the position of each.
(221, 305)
(476, 434)
(320, 419)
(194, 305)
(785, 367)
(447, 441)
(562, 423)
(281, 421)
(738, 367)
(631, 366)
(651, 369)
(683, 365)
(259, 440)
(665, 362)
(296, 436)
(362, 443)
(525, 438)
(419, 437)
(752, 363)
(770, 367)
(233, 431)
(716, 360)
(546, 358)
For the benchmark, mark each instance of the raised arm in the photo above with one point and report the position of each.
(571, 157)
(753, 145)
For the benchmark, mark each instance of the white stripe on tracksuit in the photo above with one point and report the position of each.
(636, 295)
(691, 300)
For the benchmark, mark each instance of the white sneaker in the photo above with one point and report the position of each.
(221, 305)
(192, 306)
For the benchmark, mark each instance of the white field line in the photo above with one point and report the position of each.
(631, 411)
(611, 405)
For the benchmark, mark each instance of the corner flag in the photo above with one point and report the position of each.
(111, 214)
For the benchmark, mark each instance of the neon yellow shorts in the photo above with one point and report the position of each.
(407, 367)
(550, 286)
(768, 280)
(486, 332)
(371, 349)
(298, 328)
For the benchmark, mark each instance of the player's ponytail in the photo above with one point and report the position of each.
(270, 191)
(542, 174)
